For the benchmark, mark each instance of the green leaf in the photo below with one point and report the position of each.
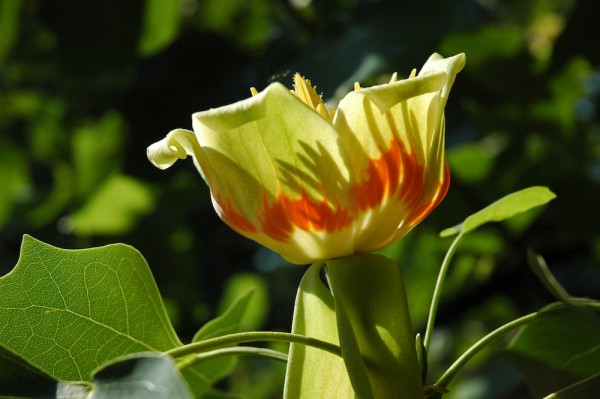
(557, 352)
(256, 310)
(374, 326)
(313, 373)
(228, 322)
(541, 270)
(67, 312)
(18, 378)
(504, 208)
(160, 26)
(201, 377)
(10, 18)
(586, 388)
(114, 208)
(140, 377)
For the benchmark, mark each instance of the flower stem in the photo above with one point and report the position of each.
(253, 336)
(437, 292)
(234, 351)
(554, 309)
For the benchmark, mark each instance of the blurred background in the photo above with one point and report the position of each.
(85, 87)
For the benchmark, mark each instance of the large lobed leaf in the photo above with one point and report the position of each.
(67, 312)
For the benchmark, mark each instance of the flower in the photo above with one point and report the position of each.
(314, 184)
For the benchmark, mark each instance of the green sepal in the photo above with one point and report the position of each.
(374, 326)
(313, 373)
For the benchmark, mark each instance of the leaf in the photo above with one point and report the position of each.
(228, 322)
(374, 326)
(10, 18)
(505, 208)
(586, 388)
(141, 377)
(202, 376)
(114, 208)
(17, 378)
(256, 310)
(541, 270)
(556, 352)
(313, 373)
(67, 312)
(160, 26)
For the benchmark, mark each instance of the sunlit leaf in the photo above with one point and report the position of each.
(486, 44)
(140, 377)
(15, 178)
(96, 146)
(202, 376)
(69, 311)
(114, 208)
(160, 26)
(256, 310)
(472, 162)
(505, 208)
(556, 352)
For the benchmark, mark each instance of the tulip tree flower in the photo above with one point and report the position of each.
(313, 183)
(329, 187)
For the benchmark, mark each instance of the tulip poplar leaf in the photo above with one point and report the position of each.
(67, 312)
(503, 209)
(19, 379)
(557, 352)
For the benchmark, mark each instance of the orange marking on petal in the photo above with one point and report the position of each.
(397, 173)
(429, 204)
(279, 218)
(232, 217)
(384, 176)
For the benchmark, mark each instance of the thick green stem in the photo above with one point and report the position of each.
(437, 292)
(253, 336)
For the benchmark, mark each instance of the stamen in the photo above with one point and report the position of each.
(322, 110)
(253, 91)
(309, 96)
(357, 86)
(394, 77)
(413, 73)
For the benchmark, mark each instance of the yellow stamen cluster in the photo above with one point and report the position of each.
(309, 96)
(304, 90)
